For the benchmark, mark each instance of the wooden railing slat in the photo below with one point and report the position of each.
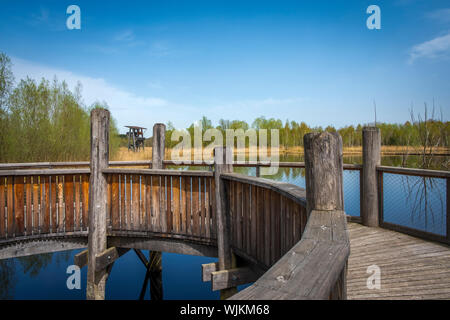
(77, 226)
(168, 198)
(195, 207)
(142, 204)
(29, 203)
(207, 214)
(54, 218)
(155, 203)
(254, 221)
(85, 200)
(2, 208)
(19, 229)
(212, 207)
(68, 197)
(115, 218)
(148, 202)
(45, 204)
(135, 202)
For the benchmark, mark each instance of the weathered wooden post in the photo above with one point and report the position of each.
(323, 166)
(324, 184)
(371, 159)
(223, 163)
(155, 258)
(96, 279)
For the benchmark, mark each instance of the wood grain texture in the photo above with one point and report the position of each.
(311, 269)
(371, 159)
(2, 208)
(411, 268)
(19, 226)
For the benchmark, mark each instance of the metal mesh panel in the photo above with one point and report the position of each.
(352, 194)
(415, 202)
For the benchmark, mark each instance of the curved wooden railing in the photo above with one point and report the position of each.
(42, 202)
(269, 223)
(166, 203)
(306, 257)
(267, 217)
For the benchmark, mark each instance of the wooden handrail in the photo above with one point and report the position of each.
(414, 172)
(286, 189)
(160, 172)
(43, 172)
(313, 268)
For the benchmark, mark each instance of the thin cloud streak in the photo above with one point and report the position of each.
(438, 47)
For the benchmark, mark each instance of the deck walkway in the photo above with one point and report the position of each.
(411, 268)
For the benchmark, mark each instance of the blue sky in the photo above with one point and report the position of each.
(312, 61)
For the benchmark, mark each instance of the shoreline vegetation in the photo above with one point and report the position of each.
(124, 154)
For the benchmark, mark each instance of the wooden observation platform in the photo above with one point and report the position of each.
(136, 138)
(286, 241)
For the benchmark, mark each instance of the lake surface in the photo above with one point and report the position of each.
(44, 276)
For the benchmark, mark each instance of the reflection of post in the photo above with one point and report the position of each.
(96, 279)
(158, 149)
(371, 159)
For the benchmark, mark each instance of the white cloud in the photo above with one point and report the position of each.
(143, 110)
(436, 48)
(126, 107)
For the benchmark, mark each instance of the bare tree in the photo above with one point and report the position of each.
(424, 193)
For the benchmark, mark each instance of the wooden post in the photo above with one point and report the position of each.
(96, 279)
(371, 159)
(324, 184)
(323, 169)
(223, 163)
(159, 139)
(155, 257)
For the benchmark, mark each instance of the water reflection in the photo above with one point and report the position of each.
(11, 270)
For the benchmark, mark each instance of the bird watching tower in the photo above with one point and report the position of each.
(135, 138)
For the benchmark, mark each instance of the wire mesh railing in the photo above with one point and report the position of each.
(416, 203)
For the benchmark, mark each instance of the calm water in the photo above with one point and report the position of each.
(411, 201)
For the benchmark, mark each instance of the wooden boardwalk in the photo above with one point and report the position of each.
(411, 268)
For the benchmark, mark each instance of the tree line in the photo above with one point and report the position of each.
(421, 130)
(44, 121)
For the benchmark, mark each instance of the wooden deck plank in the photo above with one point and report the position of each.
(411, 268)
